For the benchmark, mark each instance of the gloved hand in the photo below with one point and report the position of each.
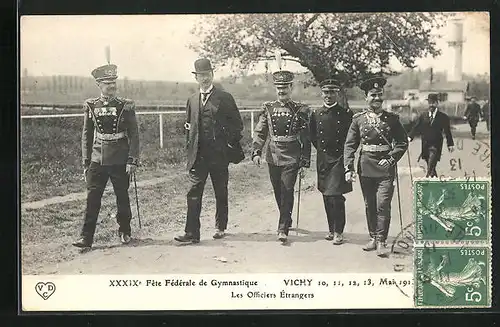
(350, 176)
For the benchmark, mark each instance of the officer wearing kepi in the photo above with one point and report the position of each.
(329, 125)
(286, 123)
(383, 142)
(110, 150)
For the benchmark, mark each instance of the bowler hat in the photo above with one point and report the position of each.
(432, 97)
(202, 65)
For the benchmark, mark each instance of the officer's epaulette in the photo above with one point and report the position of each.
(359, 114)
(91, 101)
(128, 103)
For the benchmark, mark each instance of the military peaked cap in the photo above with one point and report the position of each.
(330, 84)
(283, 77)
(105, 73)
(374, 83)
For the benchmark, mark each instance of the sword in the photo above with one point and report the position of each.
(137, 201)
(298, 202)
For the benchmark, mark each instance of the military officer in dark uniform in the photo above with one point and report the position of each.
(110, 150)
(383, 142)
(329, 125)
(472, 115)
(286, 123)
(432, 125)
(214, 127)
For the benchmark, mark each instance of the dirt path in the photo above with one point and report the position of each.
(251, 245)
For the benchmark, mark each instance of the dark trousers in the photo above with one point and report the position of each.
(377, 193)
(432, 162)
(219, 174)
(335, 212)
(473, 126)
(97, 178)
(283, 180)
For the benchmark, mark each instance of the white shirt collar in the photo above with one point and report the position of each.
(433, 114)
(327, 106)
(209, 89)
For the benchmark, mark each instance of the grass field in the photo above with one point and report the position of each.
(51, 152)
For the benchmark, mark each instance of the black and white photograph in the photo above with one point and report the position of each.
(267, 161)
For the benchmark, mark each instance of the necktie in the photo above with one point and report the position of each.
(204, 96)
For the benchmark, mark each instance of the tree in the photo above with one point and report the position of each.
(350, 47)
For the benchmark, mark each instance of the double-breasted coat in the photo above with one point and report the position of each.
(329, 127)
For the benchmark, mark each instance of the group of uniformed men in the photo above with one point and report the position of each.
(110, 149)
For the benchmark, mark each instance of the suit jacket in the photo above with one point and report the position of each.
(432, 134)
(329, 128)
(228, 125)
(110, 118)
(473, 112)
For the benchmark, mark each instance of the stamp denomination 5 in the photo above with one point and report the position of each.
(452, 276)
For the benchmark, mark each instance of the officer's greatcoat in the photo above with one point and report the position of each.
(329, 128)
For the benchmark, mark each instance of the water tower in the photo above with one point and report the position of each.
(456, 42)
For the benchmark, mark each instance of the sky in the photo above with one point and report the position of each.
(155, 47)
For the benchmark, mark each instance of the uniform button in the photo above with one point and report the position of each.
(338, 121)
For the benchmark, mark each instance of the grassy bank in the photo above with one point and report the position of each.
(51, 151)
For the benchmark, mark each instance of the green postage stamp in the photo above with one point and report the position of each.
(452, 258)
(452, 277)
(450, 211)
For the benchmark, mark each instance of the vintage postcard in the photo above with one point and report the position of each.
(262, 161)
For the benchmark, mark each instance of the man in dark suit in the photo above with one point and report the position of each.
(214, 129)
(432, 125)
(110, 150)
(472, 115)
(329, 125)
(486, 114)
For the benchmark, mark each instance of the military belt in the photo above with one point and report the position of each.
(375, 148)
(111, 137)
(286, 138)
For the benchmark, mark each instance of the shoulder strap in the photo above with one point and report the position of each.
(269, 120)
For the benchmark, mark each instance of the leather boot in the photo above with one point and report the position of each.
(381, 249)
(371, 245)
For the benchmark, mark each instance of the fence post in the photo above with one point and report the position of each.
(251, 123)
(161, 131)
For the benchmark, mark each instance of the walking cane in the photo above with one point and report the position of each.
(137, 201)
(298, 202)
(399, 200)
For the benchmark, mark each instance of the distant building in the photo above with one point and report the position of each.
(450, 91)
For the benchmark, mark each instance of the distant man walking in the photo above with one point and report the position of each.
(486, 114)
(329, 125)
(110, 150)
(472, 115)
(383, 142)
(286, 123)
(432, 125)
(214, 130)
